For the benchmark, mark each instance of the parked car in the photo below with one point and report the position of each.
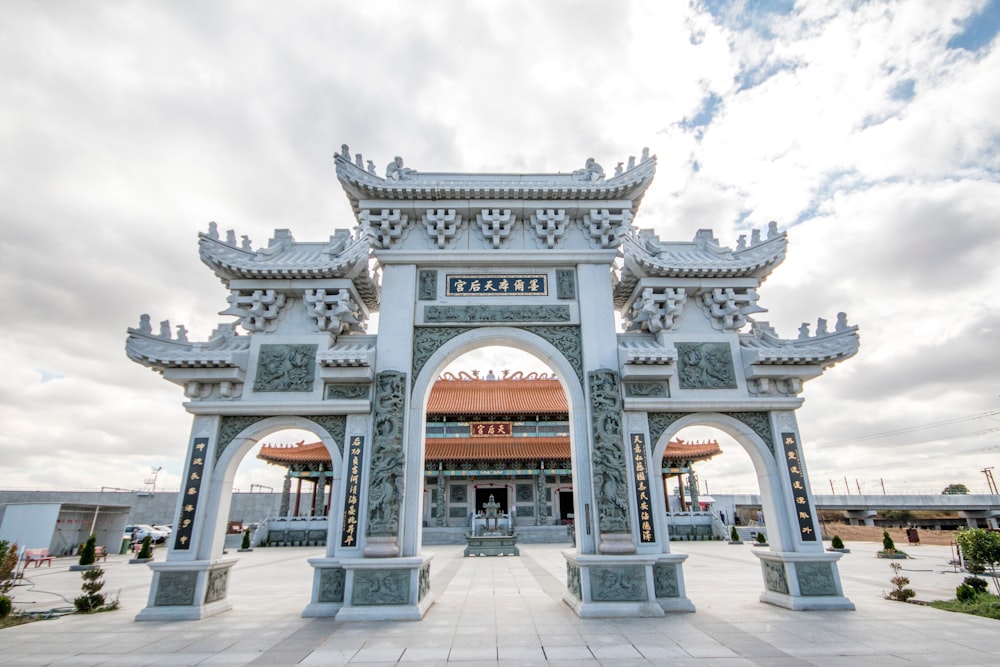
(166, 529)
(140, 530)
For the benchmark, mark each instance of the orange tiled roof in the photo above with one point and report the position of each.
(691, 451)
(314, 452)
(496, 397)
(480, 449)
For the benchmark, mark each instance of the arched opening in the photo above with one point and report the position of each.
(532, 472)
(497, 433)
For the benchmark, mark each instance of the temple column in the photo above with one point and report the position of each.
(319, 489)
(442, 498)
(286, 494)
(298, 497)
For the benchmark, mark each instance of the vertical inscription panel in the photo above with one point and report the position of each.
(352, 491)
(798, 481)
(647, 533)
(191, 489)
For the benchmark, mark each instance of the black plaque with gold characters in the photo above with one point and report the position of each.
(647, 533)
(530, 284)
(349, 533)
(191, 489)
(798, 480)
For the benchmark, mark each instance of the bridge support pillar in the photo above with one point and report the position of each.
(861, 517)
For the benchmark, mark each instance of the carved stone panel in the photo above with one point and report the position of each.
(385, 490)
(774, 577)
(427, 285)
(458, 493)
(285, 368)
(618, 584)
(218, 581)
(659, 422)
(665, 580)
(705, 366)
(381, 587)
(573, 580)
(815, 578)
(491, 314)
(609, 460)
(760, 422)
(524, 493)
(565, 284)
(331, 584)
(346, 391)
(424, 581)
(175, 589)
(645, 389)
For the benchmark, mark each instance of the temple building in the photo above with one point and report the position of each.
(503, 436)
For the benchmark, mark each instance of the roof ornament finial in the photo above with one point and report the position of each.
(359, 161)
(841, 324)
(144, 325)
(246, 244)
(182, 333)
(345, 152)
(165, 329)
(645, 154)
(395, 171)
(590, 173)
(231, 237)
(213, 231)
(371, 168)
(618, 169)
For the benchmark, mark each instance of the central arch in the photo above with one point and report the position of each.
(464, 343)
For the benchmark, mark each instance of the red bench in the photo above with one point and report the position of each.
(37, 556)
(100, 552)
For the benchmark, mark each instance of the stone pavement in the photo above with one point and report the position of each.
(509, 611)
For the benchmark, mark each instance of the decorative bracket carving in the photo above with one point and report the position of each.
(655, 310)
(442, 225)
(384, 227)
(608, 228)
(728, 307)
(496, 224)
(258, 310)
(550, 225)
(336, 313)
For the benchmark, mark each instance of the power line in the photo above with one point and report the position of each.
(910, 429)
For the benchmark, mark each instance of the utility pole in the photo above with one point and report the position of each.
(882, 482)
(847, 486)
(990, 482)
(859, 485)
(831, 488)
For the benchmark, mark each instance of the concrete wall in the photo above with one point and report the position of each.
(157, 508)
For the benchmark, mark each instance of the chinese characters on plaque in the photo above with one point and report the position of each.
(646, 531)
(519, 285)
(349, 534)
(486, 429)
(798, 481)
(190, 489)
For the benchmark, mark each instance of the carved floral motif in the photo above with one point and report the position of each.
(610, 467)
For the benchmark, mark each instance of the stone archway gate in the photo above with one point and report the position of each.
(543, 260)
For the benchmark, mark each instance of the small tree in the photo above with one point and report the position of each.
(733, 535)
(955, 489)
(246, 539)
(92, 598)
(981, 548)
(147, 547)
(900, 593)
(8, 565)
(88, 554)
(761, 538)
(836, 542)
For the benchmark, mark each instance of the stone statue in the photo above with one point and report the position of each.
(231, 237)
(618, 169)
(371, 167)
(165, 329)
(395, 170)
(246, 245)
(144, 325)
(821, 327)
(213, 231)
(345, 152)
(804, 331)
(182, 333)
(359, 161)
(631, 163)
(841, 324)
(591, 172)
(645, 154)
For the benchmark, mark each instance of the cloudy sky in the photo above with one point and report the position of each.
(868, 130)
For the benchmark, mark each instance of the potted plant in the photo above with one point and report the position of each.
(88, 555)
(734, 537)
(761, 540)
(146, 552)
(889, 549)
(837, 544)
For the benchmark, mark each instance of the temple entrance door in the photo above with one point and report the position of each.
(499, 494)
(566, 507)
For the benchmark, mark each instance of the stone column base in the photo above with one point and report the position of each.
(329, 578)
(187, 590)
(621, 586)
(802, 581)
(384, 589)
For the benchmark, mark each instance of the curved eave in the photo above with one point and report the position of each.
(755, 262)
(826, 350)
(359, 185)
(231, 263)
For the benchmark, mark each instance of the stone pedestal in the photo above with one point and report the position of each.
(625, 586)
(386, 589)
(329, 579)
(187, 590)
(802, 581)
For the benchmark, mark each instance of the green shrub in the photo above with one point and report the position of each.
(900, 593)
(976, 584)
(761, 538)
(965, 593)
(887, 543)
(147, 548)
(92, 598)
(246, 539)
(88, 554)
(733, 535)
(836, 542)
(5, 606)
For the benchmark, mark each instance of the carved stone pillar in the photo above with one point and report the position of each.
(442, 499)
(286, 496)
(610, 464)
(541, 507)
(319, 489)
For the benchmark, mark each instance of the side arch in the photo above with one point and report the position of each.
(774, 498)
